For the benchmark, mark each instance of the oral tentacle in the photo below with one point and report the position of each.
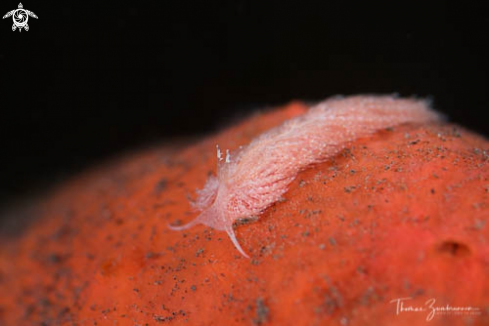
(232, 236)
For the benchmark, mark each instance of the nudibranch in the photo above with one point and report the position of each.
(255, 176)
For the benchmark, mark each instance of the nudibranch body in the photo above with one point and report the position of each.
(257, 175)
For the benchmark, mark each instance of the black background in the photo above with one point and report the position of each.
(89, 81)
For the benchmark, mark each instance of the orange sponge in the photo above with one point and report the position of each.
(392, 230)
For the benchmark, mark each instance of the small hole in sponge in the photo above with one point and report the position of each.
(453, 248)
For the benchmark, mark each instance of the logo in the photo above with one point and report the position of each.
(20, 17)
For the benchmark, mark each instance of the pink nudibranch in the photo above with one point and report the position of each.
(257, 175)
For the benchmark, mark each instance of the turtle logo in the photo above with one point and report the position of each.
(20, 17)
